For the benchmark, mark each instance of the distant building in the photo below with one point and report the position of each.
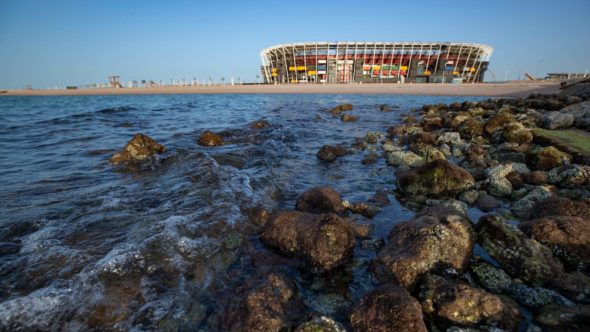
(565, 76)
(375, 62)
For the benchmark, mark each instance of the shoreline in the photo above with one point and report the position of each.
(509, 89)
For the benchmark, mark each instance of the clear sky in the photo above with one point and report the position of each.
(49, 43)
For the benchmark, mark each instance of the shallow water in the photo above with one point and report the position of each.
(160, 247)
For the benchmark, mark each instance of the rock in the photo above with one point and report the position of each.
(515, 132)
(436, 237)
(438, 178)
(547, 158)
(325, 241)
(209, 138)
(487, 203)
(518, 255)
(341, 108)
(320, 200)
(387, 308)
(515, 179)
(556, 120)
(561, 318)
(330, 153)
(560, 206)
(459, 118)
(404, 159)
(349, 118)
(536, 178)
(567, 237)
(498, 121)
(470, 129)
(260, 124)
(136, 150)
(320, 324)
(522, 207)
(427, 138)
(500, 187)
(469, 196)
(430, 153)
(536, 297)
(454, 204)
(580, 112)
(491, 278)
(374, 137)
(456, 303)
(363, 209)
(501, 171)
(432, 123)
(267, 302)
(449, 137)
(384, 108)
(370, 159)
(572, 176)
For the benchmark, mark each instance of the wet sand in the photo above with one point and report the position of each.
(516, 89)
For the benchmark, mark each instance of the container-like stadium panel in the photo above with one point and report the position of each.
(375, 62)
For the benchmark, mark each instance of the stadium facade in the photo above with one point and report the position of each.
(375, 62)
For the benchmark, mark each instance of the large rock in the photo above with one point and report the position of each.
(567, 237)
(491, 278)
(436, 238)
(572, 176)
(456, 303)
(320, 200)
(267, 302)
(555, 318)
(515, 132)
(547, 158)
(580, 112)
(449, 138)
(209, 138)
(560, 206)
(387, 308)
(557, 120)
(330, 153)
(519, 256)
(437, 179)
(404, 159)
(523, 207)
(497, 121)
(137, 149)
(325, 241)
(341, 108)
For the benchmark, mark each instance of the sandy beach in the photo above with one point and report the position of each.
(514, 89)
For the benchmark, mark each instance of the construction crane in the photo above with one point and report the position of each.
(493, 75)
(529, 76)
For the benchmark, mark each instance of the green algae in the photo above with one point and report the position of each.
(572, 141)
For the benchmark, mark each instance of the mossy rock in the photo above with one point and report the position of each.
(515, 132)
(546, 158)
(438, 178)
(498, 121)
(471, 128)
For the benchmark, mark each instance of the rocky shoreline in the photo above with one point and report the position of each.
(522, 266)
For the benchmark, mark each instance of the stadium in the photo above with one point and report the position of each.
(375, 62)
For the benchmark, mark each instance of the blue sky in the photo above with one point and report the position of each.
(49, 43)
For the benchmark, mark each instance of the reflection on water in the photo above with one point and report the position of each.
(84, 245)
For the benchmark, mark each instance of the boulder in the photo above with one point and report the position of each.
(580, 112)
(518, 255)
(387, 308)
(341, 108)
(320, 324)
(560, 206)
(536, 297)
(436, 238)
(456, 303)
(555, 318)
(470, 129)
(325, 241)
(536, 178)
(437, 179)
(489, 277)
(497, 121)
(449, 137)
(572, 176)
(567, 237)
(557, 120)
(515, 132)
(547, 158)
(209, 138)
(136, 150)
(515, 179)
(260, 124)
(266, 302)
(430, 153)
(349, 118)
(330, 153)
(320, 200)
(432, 123)
(487, 203)
(404, 159)
(522, 207)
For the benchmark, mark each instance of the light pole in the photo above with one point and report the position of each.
(537, 70)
